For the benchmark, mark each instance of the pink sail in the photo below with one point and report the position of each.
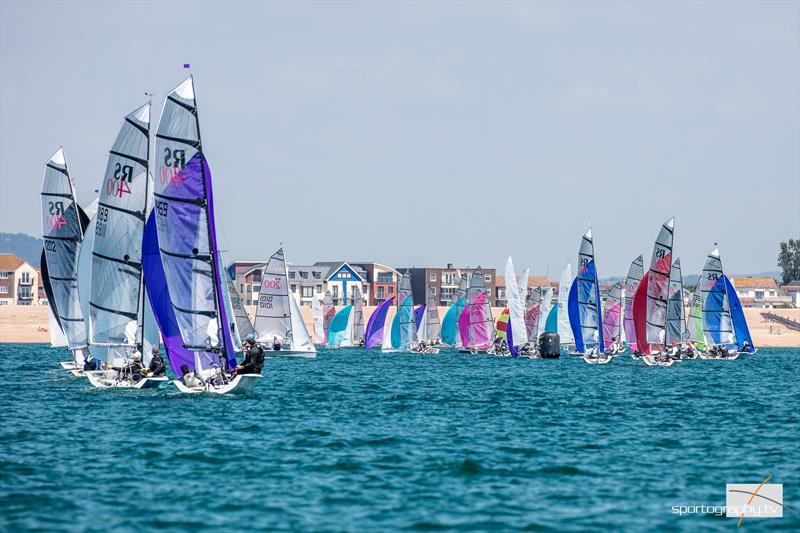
(611, 323)
(478, 325)
(463, 327)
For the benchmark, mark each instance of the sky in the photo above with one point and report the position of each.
(419, 134)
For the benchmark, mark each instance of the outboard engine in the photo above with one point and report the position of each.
(549, 346)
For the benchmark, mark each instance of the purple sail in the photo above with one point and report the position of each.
(376, 322)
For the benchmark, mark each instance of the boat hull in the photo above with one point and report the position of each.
(290, 353)
(601, 359)
(101, 381)
(241, 384)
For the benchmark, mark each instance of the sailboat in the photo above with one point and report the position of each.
(341, 328)
(724, 326)
(533, 304)
(584, 306)
(278, 323)
(376, 331)
(186, 236)
(479, 321)
(450, 332)
(402, 335)
(612, 319)
(318, 321)
(120, 318)
(63, 226)
(516, 331)
(634, 277)
(328, 312)
(358, 330)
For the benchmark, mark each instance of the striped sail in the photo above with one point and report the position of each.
(376, 330)
(676, 326)
(658, 284)
(481, 323)
(635, 273)
(184, 208)
(116, 301)
(588, 295)
(563, 325)
(328, 312)
(433, 326)
(716, 311)
(273, 315)
(358, 315)
(406, 321)
(533, 304)
(63, 235)
(694, 322)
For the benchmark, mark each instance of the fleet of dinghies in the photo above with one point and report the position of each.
(141, 266)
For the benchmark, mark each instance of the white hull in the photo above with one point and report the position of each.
(732, 357)
(241, 384)
(427, 351)
(601, 359)
(99, 380)
(290, 353)
(652, 360)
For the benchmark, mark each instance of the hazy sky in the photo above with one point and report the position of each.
(420, 133)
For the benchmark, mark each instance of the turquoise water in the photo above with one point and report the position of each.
(360, 441)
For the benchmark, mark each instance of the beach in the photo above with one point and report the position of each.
(29, 324)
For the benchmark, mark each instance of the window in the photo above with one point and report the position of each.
(308, 291)
(501, 292)
(293, 288)
(304, 274)
(257, 288)
(25, 292)
(4, 275)
(381, 293)
(335, 292)
(390, 290)
(433, 276)
(257, 276)
(759, 295)
(26, 277)
(448, 279)
(319, 289)
(487, 278)
(241, 287)
(317, 275)
(772, 293)
(292, 274)
(433, 290)
(3, 302)
(344, 274)
(385, 277)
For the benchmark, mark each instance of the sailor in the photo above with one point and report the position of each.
(135, 369)
(253, 358)
(157, 366)
(503, 346)
(89, 363)
(276, 344)
(675, 351)
(190, 377)
(497, 344)
(745, 347)
(361, 342)
(421, 346)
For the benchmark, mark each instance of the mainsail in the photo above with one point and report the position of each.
(481, 323)
(273, 315)
(318, 320)
(433, 326)
(612, 315)
(588, 293)
(341, 327)
(516, 304)
(533, 304)
(358, 315)
(184, 207)
(676, 325)
(635, 273)
(117, 298)
(740, 329)
(328, 312)
(658, 284)
(546, 303)
(405, 309)
(62, 232)
(564, 329)
(716, 314)
(244, 326)
(450, 324)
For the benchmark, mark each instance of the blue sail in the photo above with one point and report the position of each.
(450, 322)
(418, 312)
(338, 327)
(396, 330)
(714, 310)
(740, 328)
(574, 316)
(551, 326)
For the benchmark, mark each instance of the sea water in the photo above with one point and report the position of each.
(357, 440)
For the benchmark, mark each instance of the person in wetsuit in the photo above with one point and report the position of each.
(90, 363)
(157, 366)
(253, 358)
(135, 369)
(190, 377)
(276, 344)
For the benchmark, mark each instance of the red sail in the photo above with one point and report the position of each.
(640, 315)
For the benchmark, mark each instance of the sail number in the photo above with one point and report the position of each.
(265, 302)
(172, 171)
(101, 222)
(161, 208)
(50, 246)
(56, 220)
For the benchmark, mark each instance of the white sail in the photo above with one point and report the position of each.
(716, 312)
(273, 315)
(300, 340)
(564, 286)
(57, 338)
(317, 319)
(422, 329)
(433, 326)
(63, 236)
(588, 301)
(116, 293)
(516, 304)
(676, 326)
(544, 309)
(658, 284)
(243, 324)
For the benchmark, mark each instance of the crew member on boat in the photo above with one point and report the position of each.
(253, 358)
(135, 369)
(190, 378)
(276, 344)
(157, 366)
(89, 363)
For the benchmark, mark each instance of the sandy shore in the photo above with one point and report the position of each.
(29, 324)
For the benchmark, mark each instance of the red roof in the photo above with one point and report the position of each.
(9, 262)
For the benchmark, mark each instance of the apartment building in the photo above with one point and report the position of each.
(444, 282)
(19, 281)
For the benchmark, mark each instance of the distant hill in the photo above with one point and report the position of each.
(23, 246)
(691, 279)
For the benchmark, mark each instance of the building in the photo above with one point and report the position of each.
(444, 282)
(533, 282)
(305, 281)
(382, 281)
(792, 291)
(758, 292)
(19, 281)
